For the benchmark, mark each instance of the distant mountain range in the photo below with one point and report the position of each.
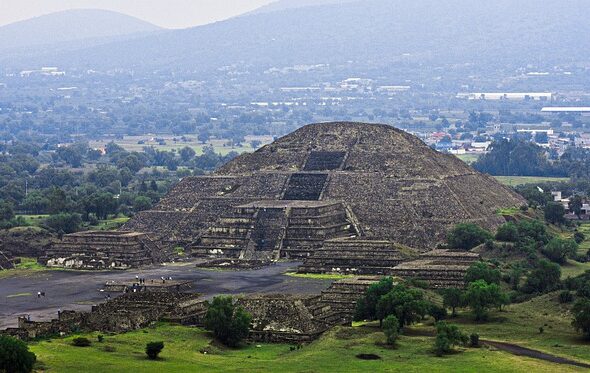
(378, 31)
(71, 26)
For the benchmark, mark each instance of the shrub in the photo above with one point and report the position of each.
(545, 277)
(437, 313)
(480, 296)
(230, 324)
(81, 342)
(566, 297)
(579, 237)
(507, 232)
(391, 329)
(15, 356)
(153, 349)
(466, 236)
(405, 303)
(558, 250)
(448, 336)
(581, 322)
(474, 340)
(100, 338)
(482, 271)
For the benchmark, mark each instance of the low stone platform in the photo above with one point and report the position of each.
(5, 262)
(153, 285)
(439, 268)
(234, 264)
(103, 250)
(356, 256)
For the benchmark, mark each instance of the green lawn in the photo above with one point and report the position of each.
(334, 352)
(468, 158)
(109, 224)
(27, 267)
(520, 323)
(520, 180)
(319, 276)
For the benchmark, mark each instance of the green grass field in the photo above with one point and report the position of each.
(27, 267)
(131, 143)
(334, 352)
(468, 158)
(520, 180)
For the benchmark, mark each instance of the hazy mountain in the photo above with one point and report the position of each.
(293, 4)
(71, 26)
(378, 31)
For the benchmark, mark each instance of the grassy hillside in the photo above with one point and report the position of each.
(335, 352)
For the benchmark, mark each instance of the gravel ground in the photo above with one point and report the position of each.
(79, 290)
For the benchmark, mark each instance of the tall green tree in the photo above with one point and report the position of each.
(466, 236)
(481, 296)
(230, 324)
(15, 356)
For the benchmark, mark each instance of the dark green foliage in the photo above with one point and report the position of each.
(581, 311)
(482, 271)
(81, 342)
(437, 313)
(579, 237)
(405, 303)
(465, 236)
(448, 336)
(453, 298)
(230, 324)
(64, 222)
(474, 340)
(554, 213)
(15, 356)
(100, 338)
(153, 349)
(517, 158)
(481, 296)
(507, 232)
(584, 289)
(366, 307)
(391, 329)
(559, 250)
(534, 230)
(566, 296)
(544, 278)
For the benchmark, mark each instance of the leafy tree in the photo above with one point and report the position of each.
(481, 296)
(153, 349)
(64, 222)
(575, 204)
(507, 232)
(559, 250)
(453, 298)
(57, 201)
(579, 237)
(534, 230)
(465, 236)
(230, 324)
(141, 203)
(15, 356)
(482, 271)
(6, 211)
(554, 213)
(405, 303)
(448, 336)
(187, 153)
(366, 307)
(581, 311)
(391, 329)
(437, 313)
(545, 277)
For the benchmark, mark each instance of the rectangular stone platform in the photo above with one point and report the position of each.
(103, 250)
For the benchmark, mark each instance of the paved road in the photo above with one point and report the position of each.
(75, 290)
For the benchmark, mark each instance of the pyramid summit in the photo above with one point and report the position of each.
(327, 184)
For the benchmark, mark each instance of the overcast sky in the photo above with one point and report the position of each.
(165, 13)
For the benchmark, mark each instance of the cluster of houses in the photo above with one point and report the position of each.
(584, 210)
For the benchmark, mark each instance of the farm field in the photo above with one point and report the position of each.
(520, 180)
(168, 143)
